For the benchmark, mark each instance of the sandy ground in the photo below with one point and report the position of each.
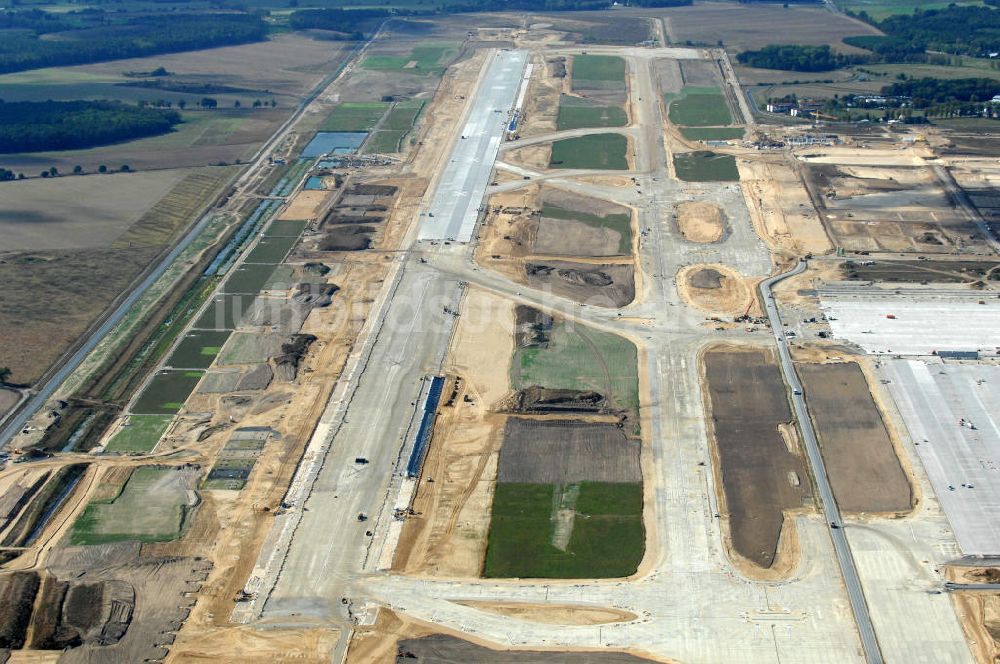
(305, 205)
(700, 221)
(447, 537)
(782, 212)
(732, 298)
(555, 614)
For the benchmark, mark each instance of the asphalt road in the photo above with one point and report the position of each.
(831, 512)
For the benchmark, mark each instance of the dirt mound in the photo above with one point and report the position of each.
(292, 352)
(700, 222)
(715, 289)
(537, 399)
(532, 327)
(707, 278)
(598, 285)
(572, 275)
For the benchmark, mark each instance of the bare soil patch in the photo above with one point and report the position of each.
(858, 453)
(715, 289)
(78, 212)
(597, 285)
(761, 477)
(700, 221)
(565, 452)
(305, 205)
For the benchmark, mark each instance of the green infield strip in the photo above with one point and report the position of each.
(590, 530)
(197, 349)
(166, 392)
(597, 151)
(141, 434)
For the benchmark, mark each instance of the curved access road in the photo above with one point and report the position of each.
(828, 503)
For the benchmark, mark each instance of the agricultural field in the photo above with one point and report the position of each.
(166, 392)
(566, 360)
(355, 116)
(760, 477)
(596, 151)
(140, 434)
(705, 166)
(422, 59)
(248, 279)
(579, 112)
(859, 456)
(751, 26)
(151, 506)
(698, 107)
(880, 9)
(197, 349)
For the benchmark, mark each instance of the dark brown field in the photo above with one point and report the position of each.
(596, 285)
(760, 477)
(561, 452)
(442, 649)
(930, 271)
(860, 461)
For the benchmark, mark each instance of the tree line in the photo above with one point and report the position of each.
(134, 37)
(795, 57)
(28, 126)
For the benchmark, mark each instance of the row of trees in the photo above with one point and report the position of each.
(64, 125)
(795, 57)
(7, 175)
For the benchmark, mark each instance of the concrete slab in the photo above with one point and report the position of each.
(922, 324)
(963, 464)
(460, 190)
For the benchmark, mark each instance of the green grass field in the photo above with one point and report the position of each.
(577, 113)
(698, 107)
(705, 166)
(711, 133)
(597, 151)
(598, 68)
(879, 9)
(425, 59)
(384, 141)
(271, 250)
(395, 127)
(607, 539)
(166, 393)
(355, 116)
(197, 350)
(248, 279)
(150, 507)
(581, 358)
(616, 222)
(141, 435)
